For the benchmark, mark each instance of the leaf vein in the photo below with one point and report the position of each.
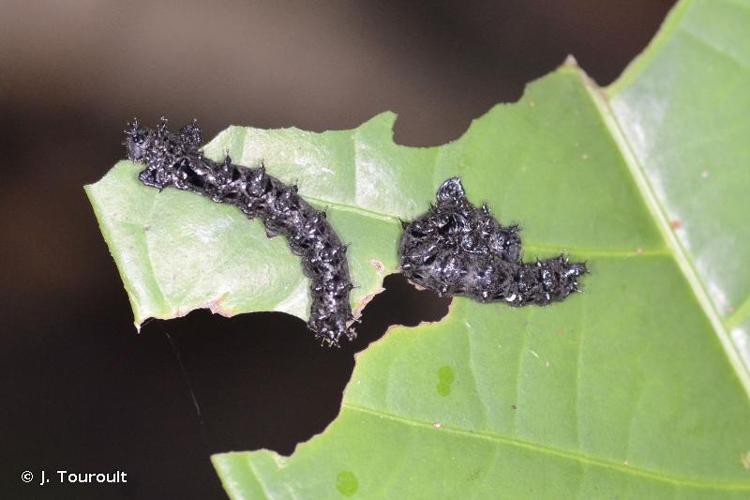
(560, 453)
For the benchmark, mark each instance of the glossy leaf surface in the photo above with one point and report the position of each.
(634, 388)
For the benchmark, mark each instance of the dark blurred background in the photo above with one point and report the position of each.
(80, 389)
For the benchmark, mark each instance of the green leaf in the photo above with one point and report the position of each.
(683, 108)
(636, 388)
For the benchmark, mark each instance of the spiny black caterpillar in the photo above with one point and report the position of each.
(458, 249)
(174, 159)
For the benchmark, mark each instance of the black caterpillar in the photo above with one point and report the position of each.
(174, 159)
(458, 249)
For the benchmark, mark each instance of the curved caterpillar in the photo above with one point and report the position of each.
(173, 159)
(458, 249)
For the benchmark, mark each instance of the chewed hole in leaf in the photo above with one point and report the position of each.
(400, 304)
(267, 361)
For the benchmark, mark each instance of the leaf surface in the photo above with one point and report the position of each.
(638, 387)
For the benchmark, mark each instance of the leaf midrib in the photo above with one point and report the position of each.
(672, 24)
(674, 246)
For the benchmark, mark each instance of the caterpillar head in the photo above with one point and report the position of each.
(160, 149)
(138, 140)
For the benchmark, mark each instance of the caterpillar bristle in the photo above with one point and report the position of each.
(173, 160)
(458, 249)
